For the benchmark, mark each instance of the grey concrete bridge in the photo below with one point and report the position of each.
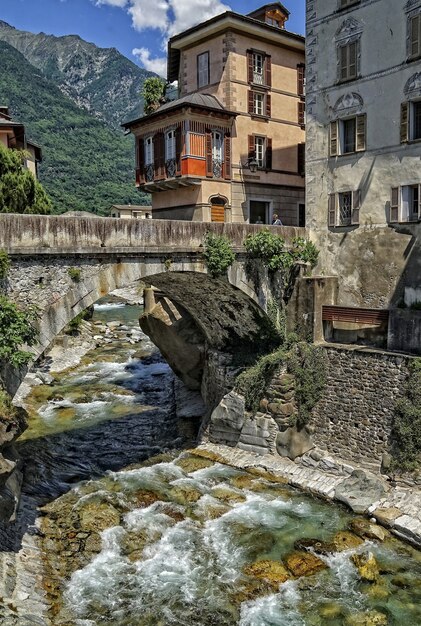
(113, 253)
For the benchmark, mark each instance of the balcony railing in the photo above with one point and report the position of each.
(258, 78)
(171, 168)
(149, 173)
(217, 165)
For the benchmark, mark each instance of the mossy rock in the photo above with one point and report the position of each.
(371, 618)
(273, 572)
(367, 530)
(98, 517)
(266, 475)
(330, 611)
(345, 540)
(366, 565)
(246, 481)
(172, 511)
(144, 498)
(251, 591)
(191, 464)
(304, 563)
(227, 495)
(377, 591)
(133, 543)
(183, 494)
(318, 546)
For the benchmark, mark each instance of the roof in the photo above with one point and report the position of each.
(230, 19)
(196, 100)
(273, 6)
(132, 207)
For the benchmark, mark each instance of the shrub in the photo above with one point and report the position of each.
(219, 255)
(270, 249)
(16, 329)
(252, 383)
(153, 93)
(307, 363)
(74, 325)
(305, 251)
(75, 274)
(406, 427)
(7, 410)
(4, 264)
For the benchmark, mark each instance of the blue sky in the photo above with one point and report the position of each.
(138, 28)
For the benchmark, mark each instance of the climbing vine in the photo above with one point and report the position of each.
(306, 362)
(406, 427)
(16, 330)
(219, 255)
(4, 264)
(7, 410)
(75, 274)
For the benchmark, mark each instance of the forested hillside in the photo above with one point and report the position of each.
(100, 80)
(87, 165)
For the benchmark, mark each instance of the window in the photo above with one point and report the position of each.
(259, 103)
(149, 151)
(260, 148)
(348, 61)
(272, 22)
(258, 61)
(217, 146)
(348, 136)
(170, 145)
(344, 208)
(415, 36)
(203, 69)
(410, 121)
(259, 68)
(405, 203)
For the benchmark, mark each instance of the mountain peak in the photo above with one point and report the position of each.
(6, 25)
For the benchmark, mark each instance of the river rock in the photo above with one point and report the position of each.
(367, 530)
(114, 324)
(373, 618)
(320, 547)
(272, 572)
(360, 490)
(344, 540)
(98, 517)
(367, 566)
(304, 563)
(293, 443)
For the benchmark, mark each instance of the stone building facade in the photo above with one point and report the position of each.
(363, 147)
(13, 135)
(241, 101)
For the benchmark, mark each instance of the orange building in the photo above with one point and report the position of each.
(231, 148)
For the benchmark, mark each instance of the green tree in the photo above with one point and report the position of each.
(16, 329)
(153, 93)
(20, 192)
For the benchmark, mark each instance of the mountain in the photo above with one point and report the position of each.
(86, 165)
(100, 80)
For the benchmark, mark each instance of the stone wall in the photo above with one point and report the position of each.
(354, 418)
(352, 422)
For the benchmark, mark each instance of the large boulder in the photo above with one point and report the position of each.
(360, 490)
(304, 563)
(367, 566)
(227, 419)
(293, 443)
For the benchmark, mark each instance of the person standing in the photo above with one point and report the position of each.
(275, 220)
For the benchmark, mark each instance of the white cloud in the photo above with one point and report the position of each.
(168, 16)
(157, 65)
(112, 3)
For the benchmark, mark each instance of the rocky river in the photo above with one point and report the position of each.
(122, 523)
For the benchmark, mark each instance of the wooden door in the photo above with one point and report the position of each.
(217, 213)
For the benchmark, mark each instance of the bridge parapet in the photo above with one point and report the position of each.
(42, 233)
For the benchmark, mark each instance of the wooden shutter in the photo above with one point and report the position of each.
(356, 202)
(333, 140)
(178, 150)
(209, 168)
(249, 67)
(352, 59)
(300, 79)
(268, 105)
(361, 126)
(394, 204)
(301, 148)
(415, 36)
(268, 70)
(140, 160)
(404, 122)
(227, 156)
(251, 147)
(332, 210)
(268, 155)
(301, 113)
(251, 102)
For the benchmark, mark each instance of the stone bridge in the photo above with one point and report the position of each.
(65, 264)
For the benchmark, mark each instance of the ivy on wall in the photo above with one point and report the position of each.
(406, 427)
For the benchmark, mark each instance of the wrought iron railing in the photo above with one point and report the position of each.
(258, 78)
(149, 173)
(217, 168)
(171, 168)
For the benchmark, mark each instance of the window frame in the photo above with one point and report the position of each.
(345, 47)
(260, 162)
(334, 213)
(337, 135)
(397, 204)
(169, 157)
(259, 102)
(345, 4)
(202, 70)
(149, 148)
(415, 16)
(217, 151)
